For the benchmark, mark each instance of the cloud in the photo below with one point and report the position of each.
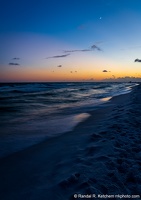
(59, 56)
(137, 60)
(11, 63)
(123, 79)
(83, 50)
(93, 47)
(70, 51)
(76, 50)
(104, 70)
(15, 58)
(59, 66)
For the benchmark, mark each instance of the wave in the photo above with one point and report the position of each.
(31, 108)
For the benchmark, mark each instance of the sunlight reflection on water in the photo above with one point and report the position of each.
(106, 99)
(60, 125)
(81, 117)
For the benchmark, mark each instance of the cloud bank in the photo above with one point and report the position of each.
(123, 79)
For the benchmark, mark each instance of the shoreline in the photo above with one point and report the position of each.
(77, 119)
(24, 135)
(100, 156)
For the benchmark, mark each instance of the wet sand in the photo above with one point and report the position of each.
(101, 156)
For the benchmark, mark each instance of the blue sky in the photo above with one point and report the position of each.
(34, 31)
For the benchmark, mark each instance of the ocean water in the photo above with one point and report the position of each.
(32, 112)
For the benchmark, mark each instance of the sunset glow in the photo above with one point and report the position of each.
(70, 41)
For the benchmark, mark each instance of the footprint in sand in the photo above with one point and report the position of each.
(95, 137)
(136, 149)
(91, 151)
(69, 182)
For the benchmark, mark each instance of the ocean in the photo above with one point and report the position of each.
(33, 112)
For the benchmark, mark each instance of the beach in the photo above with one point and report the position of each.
(100, 156)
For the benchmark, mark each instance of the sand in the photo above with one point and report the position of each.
(101, 156)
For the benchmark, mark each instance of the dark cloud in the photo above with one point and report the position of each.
(83, 50)
(93, 47)
(11, 63)
(76, 50)
(59, 66)
(104, 70)
(15, 58)
(137, 60)
(59, 56)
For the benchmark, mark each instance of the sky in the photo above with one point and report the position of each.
(70, 40)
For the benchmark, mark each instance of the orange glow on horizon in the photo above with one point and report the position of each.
(27, 74)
